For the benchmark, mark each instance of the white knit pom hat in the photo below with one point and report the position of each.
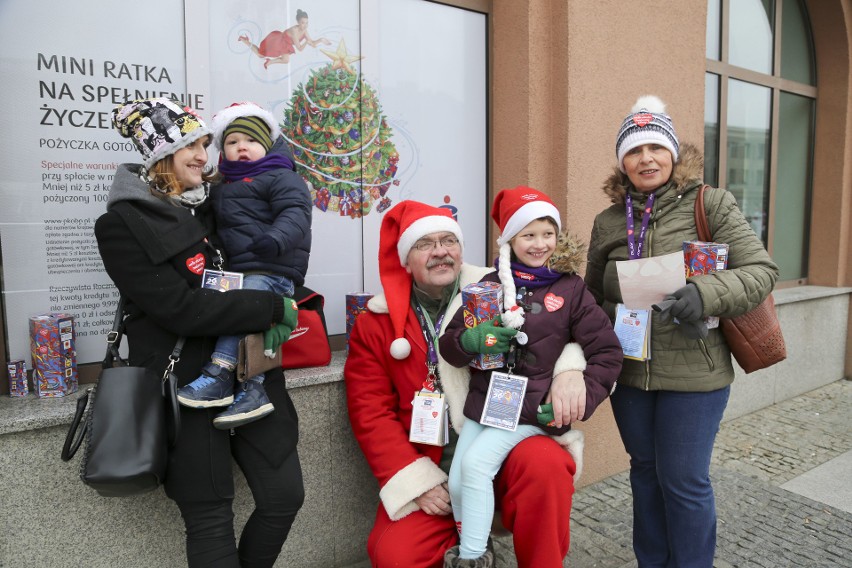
(647, 123)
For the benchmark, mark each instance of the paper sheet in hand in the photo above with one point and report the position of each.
(646, 281)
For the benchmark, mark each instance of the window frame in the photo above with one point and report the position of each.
(726, 71)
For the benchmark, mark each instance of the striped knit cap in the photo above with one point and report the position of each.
(252, 126)
(248, 118)
(647, 123)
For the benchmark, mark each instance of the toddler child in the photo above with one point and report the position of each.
(546, 299)
(263, 218)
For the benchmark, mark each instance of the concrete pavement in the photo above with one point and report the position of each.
(783, 482)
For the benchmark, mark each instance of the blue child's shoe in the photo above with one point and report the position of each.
(215, 387)
(250, 404)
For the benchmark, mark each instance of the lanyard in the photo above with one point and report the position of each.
(634, 248)
(215, 255)
(432, 382)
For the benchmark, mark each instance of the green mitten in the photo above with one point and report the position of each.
(545, 415)
(280, 332)
(487, 338)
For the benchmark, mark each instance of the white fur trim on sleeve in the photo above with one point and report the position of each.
(573, 442)
(412, 481)
(571, 359)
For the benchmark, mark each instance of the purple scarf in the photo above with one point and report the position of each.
(526, 277)
(233, 171)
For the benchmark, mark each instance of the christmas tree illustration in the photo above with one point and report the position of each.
(341, 139)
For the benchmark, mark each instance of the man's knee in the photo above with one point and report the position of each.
(539, 457)
(418, 540)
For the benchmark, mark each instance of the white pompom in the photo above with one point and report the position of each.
(513, 319)
(651, 103)
(400, 348)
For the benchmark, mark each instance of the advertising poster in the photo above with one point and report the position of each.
(59, 151)
(375, 111)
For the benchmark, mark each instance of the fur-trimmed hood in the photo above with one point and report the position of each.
(570, 254)
(688, 170)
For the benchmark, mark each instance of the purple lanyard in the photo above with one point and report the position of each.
(432, 382)
(634, 248)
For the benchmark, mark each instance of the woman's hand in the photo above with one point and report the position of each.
(436, 501)
(568, 396)
(280, 332)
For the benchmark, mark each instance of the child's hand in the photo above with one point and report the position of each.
(264, 246)
(487, 338)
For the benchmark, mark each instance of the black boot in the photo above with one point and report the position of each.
(452, 560)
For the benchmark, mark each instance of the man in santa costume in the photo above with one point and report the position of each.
(392, 361)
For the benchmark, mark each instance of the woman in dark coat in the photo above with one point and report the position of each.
(155, 239)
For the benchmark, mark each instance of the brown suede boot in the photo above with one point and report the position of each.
(452, 560)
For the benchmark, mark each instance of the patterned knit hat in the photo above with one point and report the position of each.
(402, 226)
(514, 209)
(647, 123)
(159, 127)
(248, 118)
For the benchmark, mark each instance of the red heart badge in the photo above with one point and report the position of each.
(642, 118)
(195, 264)
(434, 414)
(552, 302)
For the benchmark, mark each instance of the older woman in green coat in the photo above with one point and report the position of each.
(668, 407)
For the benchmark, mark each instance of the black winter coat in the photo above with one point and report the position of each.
(154, 252)
(277, 203)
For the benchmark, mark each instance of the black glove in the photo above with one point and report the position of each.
(264, 246)
(696, 329)
(689, 306)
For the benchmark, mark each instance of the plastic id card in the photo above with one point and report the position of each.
(504, 401)
(221, 280)
(634, 332)
(429, 419)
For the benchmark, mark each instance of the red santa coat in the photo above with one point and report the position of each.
(380, 390)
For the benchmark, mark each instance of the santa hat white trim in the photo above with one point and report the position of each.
(422, 227)
(525, 215)
(226, 116)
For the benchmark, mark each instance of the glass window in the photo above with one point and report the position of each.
(796, 49)
(792, 201)
(714, 24)
(749, 113)
(751, 34)
(711, 129)
(760, 102)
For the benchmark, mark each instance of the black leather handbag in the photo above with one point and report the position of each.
(132, 420)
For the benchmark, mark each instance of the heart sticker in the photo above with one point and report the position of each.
(642, 118)
(434, 414)
(552, 302)
(195, 264)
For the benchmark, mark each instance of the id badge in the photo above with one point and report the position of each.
(221, 280)
(504, 401)
(429, 419)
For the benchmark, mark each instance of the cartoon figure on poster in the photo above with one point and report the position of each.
(341, 139)
(278, 46)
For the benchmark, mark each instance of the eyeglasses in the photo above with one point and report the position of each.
(450, 242)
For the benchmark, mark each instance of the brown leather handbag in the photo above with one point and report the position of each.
(755, 338)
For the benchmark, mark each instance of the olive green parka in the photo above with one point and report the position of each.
(678, 363)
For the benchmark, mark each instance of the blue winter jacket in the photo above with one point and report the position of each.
(276, 202)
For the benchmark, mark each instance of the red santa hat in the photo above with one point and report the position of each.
(402, 226)
(514, 209)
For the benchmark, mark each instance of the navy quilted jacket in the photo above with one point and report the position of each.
(276, 202)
